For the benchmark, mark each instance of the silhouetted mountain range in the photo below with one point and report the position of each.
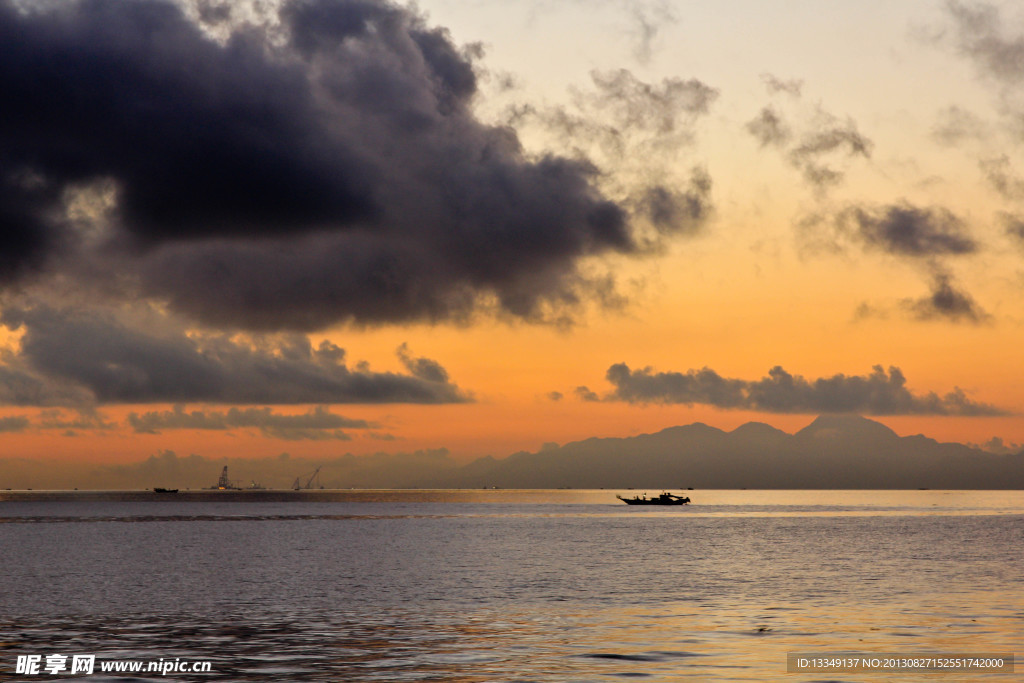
(834, 451)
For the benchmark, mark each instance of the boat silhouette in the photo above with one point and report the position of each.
(664, 498)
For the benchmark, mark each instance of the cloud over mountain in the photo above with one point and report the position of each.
(877, 393)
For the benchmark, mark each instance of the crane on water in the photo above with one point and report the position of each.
(315, 477)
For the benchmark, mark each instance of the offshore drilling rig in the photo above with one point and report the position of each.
(224, 484)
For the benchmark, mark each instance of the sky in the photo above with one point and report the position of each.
(324, 227)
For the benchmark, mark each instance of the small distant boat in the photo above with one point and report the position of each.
(664, 498)
(157, 489)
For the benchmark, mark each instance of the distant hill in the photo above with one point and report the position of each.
(834, 451)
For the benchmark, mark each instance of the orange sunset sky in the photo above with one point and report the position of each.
(352, 227)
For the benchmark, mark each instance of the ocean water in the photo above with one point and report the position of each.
(509, 585)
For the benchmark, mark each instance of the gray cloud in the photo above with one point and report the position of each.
(878, 393)
(621, 115)
(946, 302)
(955, 125)
(979, 35)
(776, 85)
(1014, 227)
(422, 368)
(815, 144)
(14, 423)
(831, 137)
(866, 310)
(1001, 177)
(316, 424)
(85, 418)
(997, 445)
(695, 386)
(906, 230)
(674, 211)
(296, 174)
(660, 108)
(97, 357)
(636, 128)
(381, 436)
(768, 128)
(649, 19)
(924, 236)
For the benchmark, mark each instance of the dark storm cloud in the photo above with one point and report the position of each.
(878, 393)
(21, 386)
(946, 302)
(768, 128)
(212, 12)
(906, 230)
(327, 168)
(203, 139)
(95, 357)
(26, 236)
(317, 424)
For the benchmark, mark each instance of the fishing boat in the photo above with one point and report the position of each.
(664, 498)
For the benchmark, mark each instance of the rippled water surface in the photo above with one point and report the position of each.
(509, 585)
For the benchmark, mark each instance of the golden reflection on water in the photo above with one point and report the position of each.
(687, 641)
(716, 642)
(519, 585)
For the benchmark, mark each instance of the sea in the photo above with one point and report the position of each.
(502, 585)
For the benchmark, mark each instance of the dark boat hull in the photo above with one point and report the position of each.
(664, 499)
